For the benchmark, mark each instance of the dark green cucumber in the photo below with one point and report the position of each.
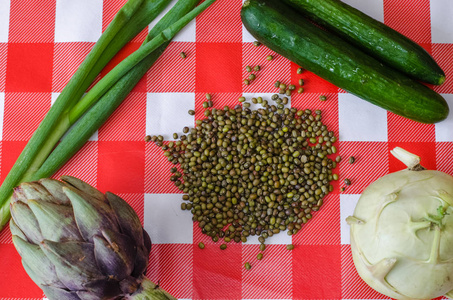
(373, 37)
(325, 54)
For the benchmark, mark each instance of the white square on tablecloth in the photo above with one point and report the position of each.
(441, 21)
(164, 220)
(360, 120)
(347, 206)
(373, 8)
(265, 96)
(444, 132)
(4, 20)
(78, 21)
(54, 97)
(187, 34)
(167, 113)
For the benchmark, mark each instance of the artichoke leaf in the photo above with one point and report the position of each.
(147, 241)
(74, 262)
(55, 188)
(103, 288)
(15, 230)
(38, 266)
(449, 295)
(26, 221)
(141, 261)
(56, 221)
(84, 187)
(115, 254)
(90, 214)
(34, 190)
(53, 293)
(127, 218)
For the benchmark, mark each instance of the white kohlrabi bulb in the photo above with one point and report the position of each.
(402, 232)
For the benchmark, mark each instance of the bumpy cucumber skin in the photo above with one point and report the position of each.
(279, 28)
(373, 37)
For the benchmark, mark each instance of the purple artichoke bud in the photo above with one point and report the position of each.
(56, 221)
(79, 244)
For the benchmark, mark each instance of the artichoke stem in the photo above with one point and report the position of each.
(150, 291)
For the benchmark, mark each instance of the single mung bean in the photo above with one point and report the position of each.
(347, 181)
(191, 112)
(175, 136)
(201, 245)
(300, 90)
(269, 57)
(248, 69)
(246, 82)
(183, 55)
(252, 77)
(322, 98)
(147, 138)
(247, 266)
(256, 68)
(299, 71)
(351, 159)
(241, 99)
(259, 256)
(208, 96)
(223, 247)
(256, 44)
(290, 247)
(301, 81)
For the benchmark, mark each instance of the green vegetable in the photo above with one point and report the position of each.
(39, 158)
(282, 30)
(402, 232)
(372, 36)
(77, 243)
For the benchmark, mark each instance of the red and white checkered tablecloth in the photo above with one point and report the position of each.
(43, 41)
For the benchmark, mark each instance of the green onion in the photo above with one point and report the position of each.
(129, 21)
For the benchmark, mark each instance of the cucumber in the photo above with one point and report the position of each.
(373, 37)
(279, 28)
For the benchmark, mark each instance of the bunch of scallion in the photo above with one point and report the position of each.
(77, 116)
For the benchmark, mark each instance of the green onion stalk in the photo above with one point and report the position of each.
(79, 117)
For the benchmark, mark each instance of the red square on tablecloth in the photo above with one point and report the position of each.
(269, 278)
(18, 121)
(171, 72)
(171, 265)
(270, 71)
(409, 18)
(220, 23)
(29, 67)
(323, 228)
(32, 22)
(426, 151)
(82, 165)
(444, 159)
(19, 284)
(218, 67)
(121, 166)
(215, 268)
(352, 286)
(5, 235)
(401, 129)
(128, 121)
(67, 58)
(371, 162)
(443, 53)
(3, 55)
(312, 83)
(10, 152)
(157, 171)
(219, 101)
(316, 272)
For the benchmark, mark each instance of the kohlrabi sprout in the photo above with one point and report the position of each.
(402, 232)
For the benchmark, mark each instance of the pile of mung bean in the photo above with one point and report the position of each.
(253, 172)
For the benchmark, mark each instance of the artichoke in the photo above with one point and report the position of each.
(78, 243)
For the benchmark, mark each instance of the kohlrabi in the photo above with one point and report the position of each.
(402, 232)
